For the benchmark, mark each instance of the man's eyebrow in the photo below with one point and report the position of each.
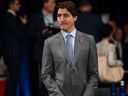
(62, 13)
(58, 14)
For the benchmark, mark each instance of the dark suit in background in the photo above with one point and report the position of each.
(36, 27)
(37, 37)
(13, 38)
(90, 23)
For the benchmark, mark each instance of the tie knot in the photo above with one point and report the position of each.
(68, 36)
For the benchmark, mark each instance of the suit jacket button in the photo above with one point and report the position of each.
(73, 70)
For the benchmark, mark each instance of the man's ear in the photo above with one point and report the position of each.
(75, 18)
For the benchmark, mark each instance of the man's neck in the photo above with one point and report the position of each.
(69, 30)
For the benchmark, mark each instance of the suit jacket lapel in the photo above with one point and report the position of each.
(63, 47)
(77, 47)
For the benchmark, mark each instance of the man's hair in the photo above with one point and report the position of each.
(106, 30)
(8, 2)
(84, 3)
(44, 1)
(70, 6)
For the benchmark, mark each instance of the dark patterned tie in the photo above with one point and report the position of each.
(69, 46)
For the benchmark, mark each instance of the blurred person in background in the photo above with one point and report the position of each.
(85, 6)
(118, 37)
(87, 21)
(105, 47)
(121, 49)
(13, 39)
(118, 41)
(41, 26)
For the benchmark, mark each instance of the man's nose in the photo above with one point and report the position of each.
(61, 18)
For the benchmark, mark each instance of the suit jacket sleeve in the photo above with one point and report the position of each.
(92, 70)
(47, 72)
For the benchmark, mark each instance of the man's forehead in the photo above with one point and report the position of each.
(63, 11)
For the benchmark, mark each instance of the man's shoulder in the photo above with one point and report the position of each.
(7, 18)
(52, 38)
(7, 15)
(85, 35)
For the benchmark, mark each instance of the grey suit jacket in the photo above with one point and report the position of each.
(64, 78)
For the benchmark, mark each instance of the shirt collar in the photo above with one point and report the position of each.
(46, 14)
(12, 12)
(73, 33)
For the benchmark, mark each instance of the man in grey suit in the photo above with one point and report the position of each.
(69, 64)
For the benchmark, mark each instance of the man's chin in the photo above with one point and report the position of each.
(62, 28)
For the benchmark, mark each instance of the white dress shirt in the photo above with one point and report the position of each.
(12, 12)
(73, 34)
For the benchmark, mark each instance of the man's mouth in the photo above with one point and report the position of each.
(63, 24)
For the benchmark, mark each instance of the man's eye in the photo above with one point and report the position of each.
(58, 15)
(66, 15)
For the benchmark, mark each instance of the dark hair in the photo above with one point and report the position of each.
(70, 6)
(84, 3)
(106, 30)
(8, 2)
(44, 1)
